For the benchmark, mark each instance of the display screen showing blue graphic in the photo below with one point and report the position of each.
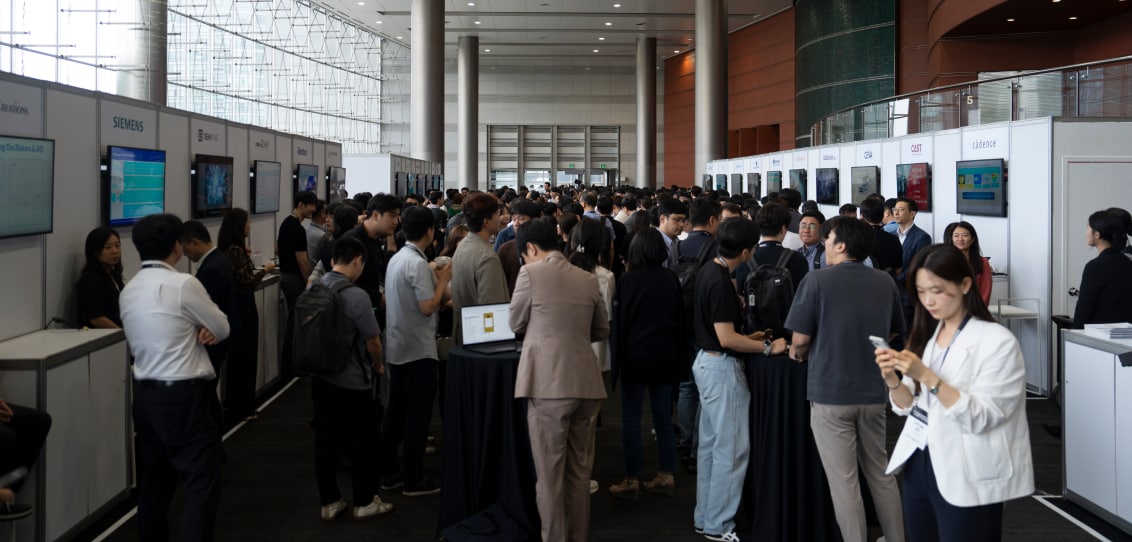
(980, 187)
(137, 185)
(306, 178)
(212, 185)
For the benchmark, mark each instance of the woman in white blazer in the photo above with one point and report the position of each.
(965, 448)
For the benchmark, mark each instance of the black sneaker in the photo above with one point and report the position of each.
(420, 489)
(392, 481)
(14, 511)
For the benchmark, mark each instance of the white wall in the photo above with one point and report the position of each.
(368, 173)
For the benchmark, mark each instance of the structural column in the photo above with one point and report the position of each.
(468, 111)
(711, 85)
(646, 112)
(427, 80)
(143, 74)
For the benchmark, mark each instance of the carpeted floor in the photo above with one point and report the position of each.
(269, 489)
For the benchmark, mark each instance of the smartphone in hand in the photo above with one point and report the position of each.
(879, 342)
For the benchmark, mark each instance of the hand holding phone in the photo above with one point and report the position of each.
(879, 343)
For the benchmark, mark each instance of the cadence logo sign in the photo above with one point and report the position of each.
(128, 124)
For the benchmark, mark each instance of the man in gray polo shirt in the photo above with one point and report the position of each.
(834, 313)
(414, 294)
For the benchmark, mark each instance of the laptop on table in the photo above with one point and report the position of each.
(487, 329)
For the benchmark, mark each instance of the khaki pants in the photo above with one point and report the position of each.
(562, 449)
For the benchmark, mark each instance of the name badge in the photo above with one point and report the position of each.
(916, 427)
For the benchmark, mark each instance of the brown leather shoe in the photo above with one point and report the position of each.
(663, 484)
(626, 490)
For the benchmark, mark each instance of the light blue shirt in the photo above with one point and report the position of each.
(409, 334)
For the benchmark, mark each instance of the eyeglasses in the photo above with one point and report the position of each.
(808, 227)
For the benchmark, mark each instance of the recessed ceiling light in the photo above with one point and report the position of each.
(607, 23)
(487, 50)
(601, 39)
(595, 50)
(677, 52)
(1010, 20)
(379, 22)
(361, 3)
(1056, 1)
(400, 38)
(477, 22)
(616, 5)
(471, 3)
(1072, 18)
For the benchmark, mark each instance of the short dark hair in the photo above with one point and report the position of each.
(911, 203)
(856, 235)
(735, 236)
(542, 231)
(549, 209)
(732, 208)
(346, 249)
(604, 205)
(345, 218)
(792, 198)
(305, 197)
(816, 215)
(416, 221)
(872, 210)
(1110, 226)
(702, 210)
(525, 207)
(155, 236)
(194, 230)
(629, 203)
(573, 207)
(383, 203)
(646, 251)
(319, 206)
(889, 203)
(771, 218)
(671, 206)
(479, 207)
(847, 208)
(434, 197)
(589, 197)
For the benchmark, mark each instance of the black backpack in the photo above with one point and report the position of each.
(686, 271)
(768, 292)
(323, 338)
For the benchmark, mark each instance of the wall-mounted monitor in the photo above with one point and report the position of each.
(736, 183)
(133, 185)
(755, 184)
(866, 181)
(306, 178)
(265, 186)
(798, 182)
(27, 186)
(980, 187)
(411, 185)
(827, 180)
(336, 185)
(773, 182)
(399, 180)
(914, 181)
(211, 185)
(706, 181)
(720, 181)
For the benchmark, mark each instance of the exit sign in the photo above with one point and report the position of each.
(602, 165)
(571, 165)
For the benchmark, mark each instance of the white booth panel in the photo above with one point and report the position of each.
(107, 413)
(1123, 432)
(67, 463)
(1090, 441)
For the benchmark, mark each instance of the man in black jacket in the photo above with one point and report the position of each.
(214, 271)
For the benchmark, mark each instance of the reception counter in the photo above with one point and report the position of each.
(1097, 435)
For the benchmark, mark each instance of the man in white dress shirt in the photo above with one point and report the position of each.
(169, 319)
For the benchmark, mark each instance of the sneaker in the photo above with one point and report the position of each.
(373, 509)
(594, 487)
(331, 511)
(392, 481)
(729, 536)
(699, 530)
(14, 511)
(420, 489)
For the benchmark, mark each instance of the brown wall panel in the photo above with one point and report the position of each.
(961, 59)
(944, 15)
(911, 46)
(680, 119)
(1107, 39)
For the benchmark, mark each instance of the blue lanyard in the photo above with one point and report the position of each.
(947, 350)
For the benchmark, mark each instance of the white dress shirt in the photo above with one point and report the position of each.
(162, 309)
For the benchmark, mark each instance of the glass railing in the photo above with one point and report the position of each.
(1098, 89)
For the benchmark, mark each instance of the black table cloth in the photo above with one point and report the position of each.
(487, 450)
(786, 495)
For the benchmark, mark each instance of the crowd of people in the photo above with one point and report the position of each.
(664, 293)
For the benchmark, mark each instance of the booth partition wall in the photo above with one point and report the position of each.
(560, 155)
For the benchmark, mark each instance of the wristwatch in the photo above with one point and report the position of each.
(766, 349)
(935, 389)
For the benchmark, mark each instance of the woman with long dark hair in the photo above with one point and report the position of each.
(101, 280)
(1106, 293)
(962, 236)
(965, 449)
(648, 353)
(243, 341)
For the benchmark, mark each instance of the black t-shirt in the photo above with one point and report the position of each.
(97, 294)
(292, 239)
(690, 247)
(887, 252)
(372, 279)
(716, 301)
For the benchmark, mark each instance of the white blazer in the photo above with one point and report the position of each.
(980, 447)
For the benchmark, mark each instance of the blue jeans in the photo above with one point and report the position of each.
(725, 443)
(688, 415)
(660, 397)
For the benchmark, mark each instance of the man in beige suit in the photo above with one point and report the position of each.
(560, 310)
(477, 274)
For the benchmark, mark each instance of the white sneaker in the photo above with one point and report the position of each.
(375, 508)
(729, 536)
(331, 511)
(594, 487)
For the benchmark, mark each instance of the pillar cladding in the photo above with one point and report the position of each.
(845, 55)
(144, 72)
(468, 111)
(711, 85)
(646, 112)
(427, 80)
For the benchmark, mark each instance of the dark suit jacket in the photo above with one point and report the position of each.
(914, 240)
(215, 273)
(1106, 290)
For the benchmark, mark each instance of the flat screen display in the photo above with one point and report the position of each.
(755, 184)
(720, 181)
(411, 184)
(399, 184)
(336, 187)
(306, 178)
(980, 187)
(27, 186)
(914, 181)
(736, 182)
(773, 182)
(866, 181)
(136, 186)
(265, 186)
(827, 186)
(798, 182)
(212, 185)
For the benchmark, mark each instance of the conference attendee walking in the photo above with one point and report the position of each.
(101, 280)
(1106, 291)
(559, 306)
(965, 448)
(962, 235)
(169, 319)
(648, 342)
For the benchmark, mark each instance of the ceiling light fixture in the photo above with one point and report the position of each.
(400, 38)
(1010, 20)
(1072, 18)
(616, 5)
(471, 3)
(379, 22)
(487, 50)
(595, 50)
(601, 39)
(607, 23)
(361, 3)
(676, 52)
(1056, 1)
(477, 22)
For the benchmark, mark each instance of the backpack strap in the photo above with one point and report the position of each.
(784, 258)
(705, 249)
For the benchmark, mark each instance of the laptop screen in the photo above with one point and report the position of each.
(486, 323)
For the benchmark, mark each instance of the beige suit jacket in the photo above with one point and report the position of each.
(559, 308)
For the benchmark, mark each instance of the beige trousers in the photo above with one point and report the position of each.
(561, 445)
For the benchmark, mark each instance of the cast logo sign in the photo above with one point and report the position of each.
(916, 149)
(14, 108)
(128, 124)
(203, 136)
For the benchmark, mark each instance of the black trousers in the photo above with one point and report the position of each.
(21, 439)
(292, 285)
(345, 424)
(929, 518)
(177, 440)
(243, 360)
(412, 387)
